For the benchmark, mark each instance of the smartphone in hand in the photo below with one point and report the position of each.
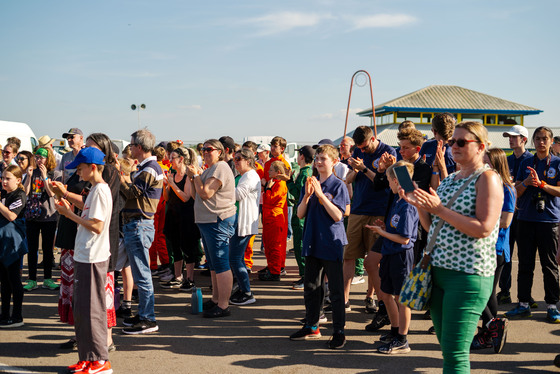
(404, 179)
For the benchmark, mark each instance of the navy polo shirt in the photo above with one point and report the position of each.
(526, 206)
(402, 220)
(429, 149)
(513, 163)
(366, 200)
(322, 237)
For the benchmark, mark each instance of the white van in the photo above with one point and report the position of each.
(19, 130)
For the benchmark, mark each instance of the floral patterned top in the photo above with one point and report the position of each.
(455, 250)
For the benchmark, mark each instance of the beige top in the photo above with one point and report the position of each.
(222, 204)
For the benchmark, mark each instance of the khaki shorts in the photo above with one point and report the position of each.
(360, 239)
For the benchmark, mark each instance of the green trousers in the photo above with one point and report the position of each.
(457, 302)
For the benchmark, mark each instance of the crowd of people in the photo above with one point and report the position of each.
(162, 210)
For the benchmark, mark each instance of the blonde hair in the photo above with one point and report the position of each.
(126, 166)
(279, 167)
(17, 172)
(477, 129)
(391, 169)
(328, 150)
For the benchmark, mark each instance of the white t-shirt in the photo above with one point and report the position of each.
(91, 247)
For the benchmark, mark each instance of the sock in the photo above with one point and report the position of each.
(523, 305)
(394, 331)
(402, 338)
(551, 306)
(127, 304)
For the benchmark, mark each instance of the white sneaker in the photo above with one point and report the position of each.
(358, 279)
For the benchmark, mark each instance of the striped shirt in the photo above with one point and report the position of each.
(143, 194)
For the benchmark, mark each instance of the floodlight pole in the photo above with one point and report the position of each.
(350, 97)
(134, 107)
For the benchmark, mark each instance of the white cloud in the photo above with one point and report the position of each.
(340, 114)
(275, 23)
(192, 106)
(382, 20)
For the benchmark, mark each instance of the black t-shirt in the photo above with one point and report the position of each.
(15, 201)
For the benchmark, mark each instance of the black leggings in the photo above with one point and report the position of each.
(491, 310)
(10, 278)
(47, 230)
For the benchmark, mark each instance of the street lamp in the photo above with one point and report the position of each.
(134, 107)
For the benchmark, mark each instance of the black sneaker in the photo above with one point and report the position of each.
(306, 333)
(241, 298)
(347, 308)
(378, 322)
(337, 341)
(394, 347)
(11, 323)
(217, 312)
(142, 327)
(269, 277)
(503, 298)
(131, 321)
(208, 304)
(481, 340)
(123, 312)
(497, 329)
(173, 283)
(387, 338)
(432, 330)
(262, 271)
(533, 304)
(70, 344)
(371, 306)
(187, 286)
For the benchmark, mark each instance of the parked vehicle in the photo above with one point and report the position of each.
(290, 153)
(20, 130)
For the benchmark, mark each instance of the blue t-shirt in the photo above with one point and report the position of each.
(322, 237)
(402, 220)
(366, 200)
(526, 204)
(502, 245)
(513, 163)
(429, 149)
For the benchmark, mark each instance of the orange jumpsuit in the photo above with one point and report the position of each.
(275, 229)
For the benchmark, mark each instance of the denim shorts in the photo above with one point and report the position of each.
(215, 237)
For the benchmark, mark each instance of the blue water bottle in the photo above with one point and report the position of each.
(196, 301)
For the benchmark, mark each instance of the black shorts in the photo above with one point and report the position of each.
(393, 270)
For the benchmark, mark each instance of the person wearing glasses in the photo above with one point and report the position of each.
(464, 256)
(8, 156)
(75, 139)
(25, 160)
(214, 211)
(41, 218)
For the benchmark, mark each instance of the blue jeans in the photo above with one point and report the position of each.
(138, 238)
(237, 245)
(290, 212)
(215, 237)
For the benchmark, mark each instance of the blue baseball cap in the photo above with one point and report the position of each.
(88, 155)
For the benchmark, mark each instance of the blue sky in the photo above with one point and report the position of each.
(206, 69)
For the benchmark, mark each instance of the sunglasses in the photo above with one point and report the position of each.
(6, 152)
(208, 149)
(22, 159)
(238, 159)
(37, 157)
(460, 142)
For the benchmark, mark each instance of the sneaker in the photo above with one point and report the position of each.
(187, 286)
(269, 277)
(241, 298)
(322, 319)
(432, 330)
(172, 284)
(283, 272)
(217, 312)
(358, 279)
(80, 366)
(371, 306)
(337, 340)
(481, 340)
(306, 333)
(50, 284)
(166, 277)
(131, 321)
(30, 285)
(557, 361)
(519, 312)
(347, 308)
(394, 347)
(298, 285)
(378, 322)
(70, 344)
(553, 315)
(503, 298)
(142, 327)
(263, 270)
(387, 337)
(97, 367)
(123, 312)
(11, 323)
(497, 329)
(155, 273)
(533, 304)
(208, 304)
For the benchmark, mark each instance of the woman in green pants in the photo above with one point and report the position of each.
(463, 258)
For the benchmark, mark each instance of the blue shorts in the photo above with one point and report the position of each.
(215, 237)
(393, 270)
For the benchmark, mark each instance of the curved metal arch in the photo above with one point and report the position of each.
(350, 97)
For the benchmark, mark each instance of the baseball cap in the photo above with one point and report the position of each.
(263, 148)
(45, 140)
(73, 131)
(307, 151)
(88, 155)
(323, 142)
(228, 142)
(516, 130)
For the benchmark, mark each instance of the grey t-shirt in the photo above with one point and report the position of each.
(222, 204)
(67, 158)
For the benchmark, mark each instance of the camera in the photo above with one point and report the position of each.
(539, 199)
